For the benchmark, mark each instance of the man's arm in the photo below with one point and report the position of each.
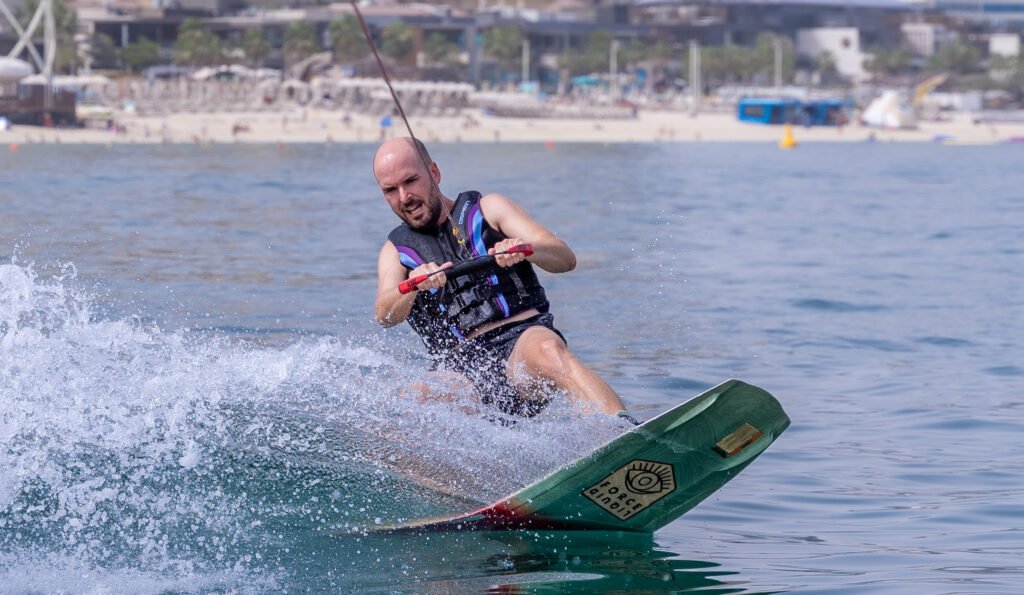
(549, 253)
(391, 306)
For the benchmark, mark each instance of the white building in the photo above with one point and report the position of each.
(924, 38)
(1004, 44)
(842, 42)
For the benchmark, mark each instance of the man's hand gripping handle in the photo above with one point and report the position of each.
(463, 268)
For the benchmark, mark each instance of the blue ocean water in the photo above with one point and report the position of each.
(194, 396)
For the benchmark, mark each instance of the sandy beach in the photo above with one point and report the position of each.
(331, 126)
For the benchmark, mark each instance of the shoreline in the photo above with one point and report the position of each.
(473, 126)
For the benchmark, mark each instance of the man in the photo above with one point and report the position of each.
(491, 326)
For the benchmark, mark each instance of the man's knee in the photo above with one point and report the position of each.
(552, 357)
(552, 348)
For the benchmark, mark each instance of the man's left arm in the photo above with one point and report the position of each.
(549, 253)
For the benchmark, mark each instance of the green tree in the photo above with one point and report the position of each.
(1014, 82)
(728, 64)
(1007, 73)
(255, 46)
(439, 49)
(397, 41)
(597, 52)
(959, 57)
(631, 52)
(733, 64)
(504, 44)
(197, 45)
(299, 41)
(1005, 63)
(347, 39)
(825, 66)
(595, 56)
(103, 52)
(66, 19)
(763, 58)
(66, 59)
(658, 51)
(885, 62)
(141, 54)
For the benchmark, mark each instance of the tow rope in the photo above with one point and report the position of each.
(461, 242)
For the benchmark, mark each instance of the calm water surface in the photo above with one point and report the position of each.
(195, 396)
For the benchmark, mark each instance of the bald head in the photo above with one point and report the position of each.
(409, 178)
(400, 148)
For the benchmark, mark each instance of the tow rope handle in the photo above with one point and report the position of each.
(463, 268)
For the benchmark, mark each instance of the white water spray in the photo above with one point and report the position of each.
(125, 447)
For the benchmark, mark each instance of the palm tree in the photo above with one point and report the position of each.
(959, 57)
(102, 51)
(888, 62)
(504, 44)
(255, 46)
(397, 41)
(439, 49)
(197, 45)
(141, 54)
(347, 39)
(825, 66)
(299, 41)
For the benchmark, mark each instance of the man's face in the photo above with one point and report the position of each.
(408, 188)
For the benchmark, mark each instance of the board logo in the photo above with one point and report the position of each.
(632, 488)
(739, 439)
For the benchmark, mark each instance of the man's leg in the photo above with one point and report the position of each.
(443, 387)
(541, 353)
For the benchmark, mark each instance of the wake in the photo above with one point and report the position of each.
(124, 445)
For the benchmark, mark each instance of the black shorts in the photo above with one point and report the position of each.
(484, 360)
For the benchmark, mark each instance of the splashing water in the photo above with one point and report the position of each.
(204, 459)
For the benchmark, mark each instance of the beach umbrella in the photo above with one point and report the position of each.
(586, 80)
(67, 81)
(204, 73)
(240, 70)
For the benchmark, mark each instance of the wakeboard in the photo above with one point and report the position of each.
(644, 479)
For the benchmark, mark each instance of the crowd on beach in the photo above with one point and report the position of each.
(163, 97)
(363, 110)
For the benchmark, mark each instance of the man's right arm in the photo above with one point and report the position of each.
(391, 306)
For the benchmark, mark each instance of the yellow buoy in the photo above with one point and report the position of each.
(787, 142)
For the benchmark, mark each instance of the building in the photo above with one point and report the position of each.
(843, 43)
(545, 33)
(549, 29)
(923, 38)
(993, 12)
(1004, 44)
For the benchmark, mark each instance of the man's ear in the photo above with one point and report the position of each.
(435, 172)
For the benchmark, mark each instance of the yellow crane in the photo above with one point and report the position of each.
(927, 86)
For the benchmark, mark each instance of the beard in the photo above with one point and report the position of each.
(431, 209)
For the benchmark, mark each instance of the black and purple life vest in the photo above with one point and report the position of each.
(444, 317)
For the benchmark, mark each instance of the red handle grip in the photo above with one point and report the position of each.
(409, 285)
(524, 249)
(464, 267)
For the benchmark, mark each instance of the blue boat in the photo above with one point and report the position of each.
(816, 112)
(768, 111)
(826, 112)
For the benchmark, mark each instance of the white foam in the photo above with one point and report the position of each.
(54, 573)
(124, 445)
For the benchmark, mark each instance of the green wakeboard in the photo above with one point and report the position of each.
(644, 479)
